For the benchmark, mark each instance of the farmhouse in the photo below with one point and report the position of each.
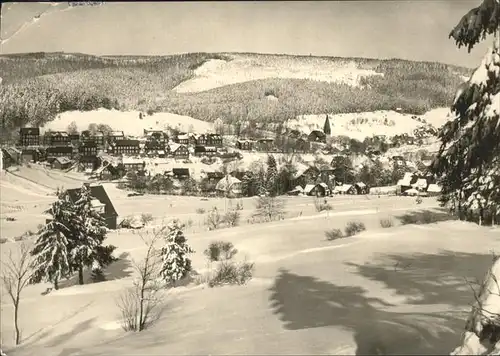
(60, 151)
(179, 151)
(56, 138)
(229, 186)
(246, 145)
(305, 175)
(345, 189)
(205, 151)
(182, 139)
(319, 190)
(101, 203)
(361, 188)
(316, 136)
(61, 163)
(86, 163)
(29, 136)
(180, 173)
(264, 144)
(126, 147)
(30, 155)
(155, 147)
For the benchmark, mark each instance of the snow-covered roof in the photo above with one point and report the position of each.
(420, 183)
(183, 137)
(434, 188)
(226, 183)
(309, 187)
(411, 191)
(63, 160)
(361, 184)
(132, 160)
(343, 188)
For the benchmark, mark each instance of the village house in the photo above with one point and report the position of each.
(180, 173)
(88, 163)
(345, 189)
(182, 139)
(155, 148)
(61, 163)
(29, 136)
(31, 155)
(229, 186)
(317, 136)
(305, 175)
(114, 136)
(246, 145)
(264, 144)
(361, 188)
(319, 190)
(97, 137)
(205, 151)
(132, 164)
(156, 135)
(179, 151)
(202, 140)
(60, 151)
(101, 203)
(56, 138)
(10, 156)
(74, 139)
(214, 140)
(126, 147)
(88, 149)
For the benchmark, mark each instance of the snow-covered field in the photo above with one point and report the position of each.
(216, 73)
(368, 124)
(127, 121)
(399, 290)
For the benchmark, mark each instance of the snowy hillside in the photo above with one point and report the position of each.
(217, 73)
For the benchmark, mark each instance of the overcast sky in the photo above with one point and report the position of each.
(415, 30)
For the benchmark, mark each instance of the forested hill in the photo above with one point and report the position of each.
(37, 86)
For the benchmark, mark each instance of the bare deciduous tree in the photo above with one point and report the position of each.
(16, 272)
(269, 208)
(142, 304)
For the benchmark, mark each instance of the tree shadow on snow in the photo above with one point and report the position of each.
(122, 268)
(304, 302)
(443, 278)
(421, 217)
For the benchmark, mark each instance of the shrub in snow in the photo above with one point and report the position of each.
(200, 211)
(175, 262)
(226, 271)
(334, 234)
(232, 218)
(354, 227)
(220, 251)
(146, 218)
(321, 205)
(214, 219)
(386, 223)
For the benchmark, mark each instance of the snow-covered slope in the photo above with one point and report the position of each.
(127, 121)
(217, 73)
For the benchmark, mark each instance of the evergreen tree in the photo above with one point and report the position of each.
(326, 127)
(87, 236)
(468, 162)
(52, 260)
(176, 264)
(272, 176)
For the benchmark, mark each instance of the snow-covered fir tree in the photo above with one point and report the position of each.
(468, 162)
(52, 260)
(272, 175)
(87, 236)
(175, 261)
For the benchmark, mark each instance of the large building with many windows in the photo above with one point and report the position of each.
(29, 136)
